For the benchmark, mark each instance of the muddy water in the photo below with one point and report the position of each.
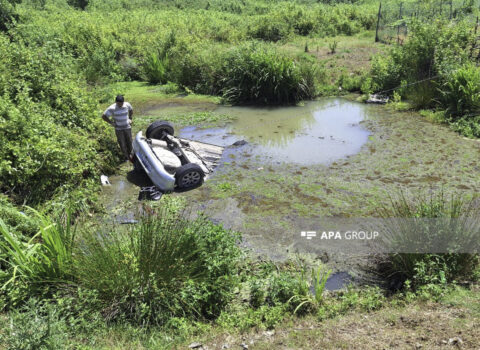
(319, 132)
(305, 165)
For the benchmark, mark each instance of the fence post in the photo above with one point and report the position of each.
(451, 5)
(378, 23)
(398, 26)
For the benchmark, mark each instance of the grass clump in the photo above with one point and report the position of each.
(167, 266)
(258, 75)
(431, 240)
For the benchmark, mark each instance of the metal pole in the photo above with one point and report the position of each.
(398, 26)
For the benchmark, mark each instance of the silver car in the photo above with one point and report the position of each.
(173, 163)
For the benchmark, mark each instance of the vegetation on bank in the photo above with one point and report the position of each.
(178, 275)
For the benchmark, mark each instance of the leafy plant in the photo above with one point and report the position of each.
(333, 46)
(319, 279)
(460, 92)
(36, 325)
(155, 68)
(44, 259)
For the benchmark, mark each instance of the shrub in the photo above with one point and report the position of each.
(49, 125)
(271, 29)
(167, 266)
(460, 91)
(36, 325)
(155, 69)
(8, 15)
(17, 222)
(431, 48)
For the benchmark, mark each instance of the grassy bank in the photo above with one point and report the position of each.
(172, 279)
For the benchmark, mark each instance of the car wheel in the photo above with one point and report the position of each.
(156, 129)
(189, 176)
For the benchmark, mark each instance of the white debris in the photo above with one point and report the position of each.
(104, 180)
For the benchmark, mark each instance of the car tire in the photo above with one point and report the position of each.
(156, 129)
(189, 176)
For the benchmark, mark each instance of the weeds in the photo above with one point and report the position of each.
(333, 46)
(431, 239)
(43, 260)
(319, 280)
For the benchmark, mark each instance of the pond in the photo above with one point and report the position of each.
(318, 133)
(303, 166)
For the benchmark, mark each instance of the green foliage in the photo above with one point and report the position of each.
(242, 320)
(166, 267)
(17, 222)
(155, 69)
(49, 125)
(285, 285)
(256, 74)
(366, 299)
(460, 91)
(430, 49)
(8, 15)
(319, 279)
(352, 82)
(36, 325)
(80, 4)
(44, 259)
(433, 224)
(333, 46)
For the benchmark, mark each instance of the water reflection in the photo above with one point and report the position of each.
(319, 132)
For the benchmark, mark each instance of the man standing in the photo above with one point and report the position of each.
(122, 113)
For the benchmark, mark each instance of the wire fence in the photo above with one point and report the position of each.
(394, 17)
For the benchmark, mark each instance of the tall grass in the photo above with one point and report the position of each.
(44, 259)
(429, 238)
(259, 75)
(167, 266)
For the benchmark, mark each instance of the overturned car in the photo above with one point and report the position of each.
(172, 163)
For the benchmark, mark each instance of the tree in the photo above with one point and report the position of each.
(8, 15)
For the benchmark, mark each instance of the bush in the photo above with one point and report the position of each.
(271, 29)
(17, 222)
(8, 15)
(431, 48)
(165, 267)
(49, 125)
(460, 91)
(155, 69)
